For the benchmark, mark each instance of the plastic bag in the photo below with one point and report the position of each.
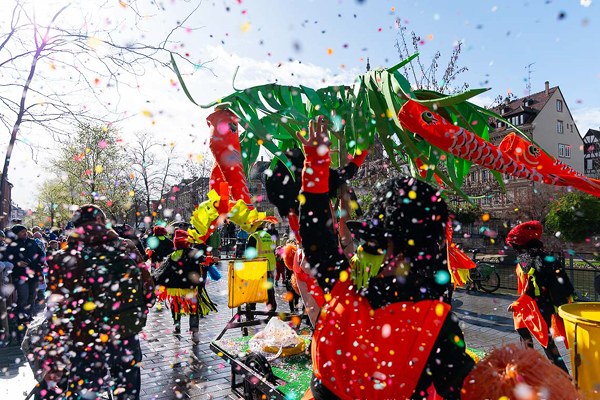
(279, 336)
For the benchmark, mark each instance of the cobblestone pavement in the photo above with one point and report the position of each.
(174, 368)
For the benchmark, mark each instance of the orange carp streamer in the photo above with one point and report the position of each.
(527, 153)
(518, 373)
(225, 146)
(465, 144)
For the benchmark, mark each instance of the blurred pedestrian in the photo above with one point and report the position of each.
(101, 292)
(28, 261)
(279, 266)
(158, 245)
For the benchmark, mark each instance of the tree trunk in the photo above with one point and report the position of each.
(16, 127)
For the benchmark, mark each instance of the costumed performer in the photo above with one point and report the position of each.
(394, 338)
(283, 189)
(181, 280)
(543, 287)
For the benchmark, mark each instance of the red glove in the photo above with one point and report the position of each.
(358, 160)
(315, 175)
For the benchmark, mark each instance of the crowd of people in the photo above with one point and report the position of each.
(84, 294)
(383, 326)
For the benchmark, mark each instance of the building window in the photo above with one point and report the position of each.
(559, 126)
(559, 105)
(521, 119)
(589, 164)
(564, 150)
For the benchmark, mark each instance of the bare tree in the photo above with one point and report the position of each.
(154, 166)
(69, 45)
(535, 202)
(198, 166)
(426, 77)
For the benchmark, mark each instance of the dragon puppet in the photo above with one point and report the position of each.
(229, 196)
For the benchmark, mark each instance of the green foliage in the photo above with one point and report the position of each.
(576, 216)
(271, 114)
(465, 212)
(54, 199)
(93, 166)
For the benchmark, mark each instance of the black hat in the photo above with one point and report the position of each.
(87, 213)
(18, 228)
(406, 210)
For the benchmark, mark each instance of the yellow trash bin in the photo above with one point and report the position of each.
(582, 325)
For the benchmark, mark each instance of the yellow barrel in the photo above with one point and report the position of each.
(582, 325)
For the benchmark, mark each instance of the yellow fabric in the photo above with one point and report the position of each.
(531, 273)
(473, 356)
(176, 255)
(248, 219)
(464, 274)
(204, 216)
(265, 248)
(365, 266)
(247, 282)
(183, 293)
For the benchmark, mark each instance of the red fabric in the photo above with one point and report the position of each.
(179, 304)
(295, 225)
(311, 282)
(526, 152)
(457, 259)
(358, 160)
(225, 146)
(358, 358)
(521, 234)
(558, 329)
(223, 190)
(315, 175)
(526, 312)
(216, 177)
(159, 230)
(180, 239)
(423, 173)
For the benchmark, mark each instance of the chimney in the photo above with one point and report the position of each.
(547, 87)
(506, 101)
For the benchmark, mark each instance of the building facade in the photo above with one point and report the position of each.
(591, 153)
(180, 202)
(545, 118)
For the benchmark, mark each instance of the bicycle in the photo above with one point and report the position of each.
(484, 276)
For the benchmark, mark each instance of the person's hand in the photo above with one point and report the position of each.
(509, 308)
(22, 264)
(317, 135)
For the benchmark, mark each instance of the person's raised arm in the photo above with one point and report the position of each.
(316, 225)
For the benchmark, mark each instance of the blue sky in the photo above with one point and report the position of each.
(500, 38)
(319, 43)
